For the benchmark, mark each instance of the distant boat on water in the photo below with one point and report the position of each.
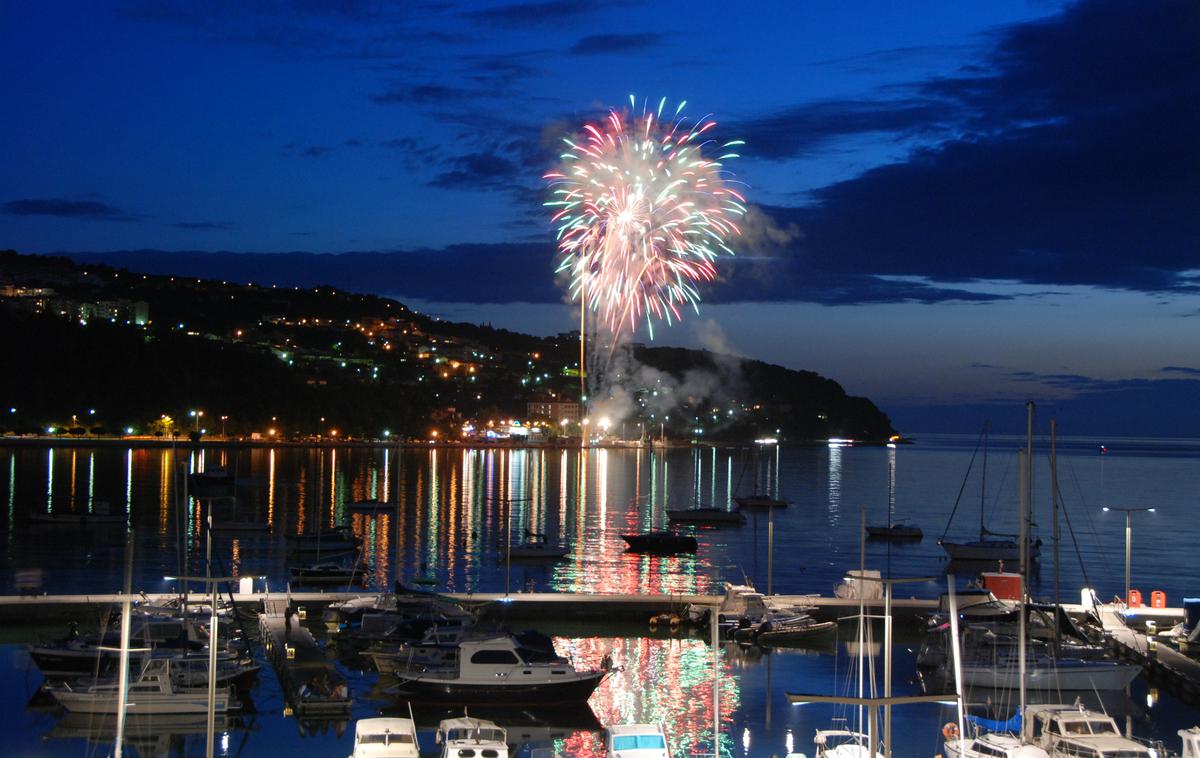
(714, 516)
(660, 543)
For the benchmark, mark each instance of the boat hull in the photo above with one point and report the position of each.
(150, 703)
(576, 690)
(988, 550)
(705, 516)
(759, 501)
(660, 544)
(1104, 676)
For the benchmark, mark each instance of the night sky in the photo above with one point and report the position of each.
(956, 206)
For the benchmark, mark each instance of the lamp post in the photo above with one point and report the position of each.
(223, 420)
(1128, 538)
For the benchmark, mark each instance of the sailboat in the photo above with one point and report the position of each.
(894, 531)
(758, 500)
(987, 547)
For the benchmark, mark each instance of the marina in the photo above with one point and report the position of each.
(597, 602)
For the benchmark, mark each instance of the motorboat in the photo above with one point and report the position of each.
(153, 690)
(385, 738)
(710, 516)
(348, 615)
(1073, 730)
(468, 737)
(895, 533)
(987, 745)
(1191, 742)
(499, 669)
(635, 741)
(660, 543)
(794, 630)
(438, 648)
(77, 655)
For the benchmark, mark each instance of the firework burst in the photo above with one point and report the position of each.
(642, 214)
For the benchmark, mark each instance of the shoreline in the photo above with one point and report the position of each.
(42, 441)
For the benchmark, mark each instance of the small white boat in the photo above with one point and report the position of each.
(989, 745)
(152, 691)
(635, 741)
(1191, 742)
(843, 743)
(468, 737)
(385, 738)
(537, 548)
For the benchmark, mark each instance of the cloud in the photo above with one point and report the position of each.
(608, 44)
(201, 226)
(1187, 370)
(422, 94)
(523, 14)
(315, 151)
(1070, 160)
(86, 209)
(477, 171)
(804, 130)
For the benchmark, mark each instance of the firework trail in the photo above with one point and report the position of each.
(642, 214)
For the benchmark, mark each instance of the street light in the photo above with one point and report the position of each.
(223, 420)
(1128, 539)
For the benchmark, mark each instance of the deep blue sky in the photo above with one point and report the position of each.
(956, 204)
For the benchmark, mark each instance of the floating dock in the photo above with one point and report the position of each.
(312, 686)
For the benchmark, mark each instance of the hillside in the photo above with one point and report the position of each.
(95, 349)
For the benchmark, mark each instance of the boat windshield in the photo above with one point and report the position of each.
(1089, 726)
(639, 742)
(387, 738)
(480, 734)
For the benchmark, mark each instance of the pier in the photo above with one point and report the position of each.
(311, 684)
(1161, 663)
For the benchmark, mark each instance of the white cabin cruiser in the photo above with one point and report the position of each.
(385, 738)
(635, 741)
(468, 737)
(1072, 731)
(152, 691)
(499, 669)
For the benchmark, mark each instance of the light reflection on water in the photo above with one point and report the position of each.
(460, 507)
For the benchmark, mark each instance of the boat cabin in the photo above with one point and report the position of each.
(1072, 730)
(636, 741)
(468, 737)
(385, 738)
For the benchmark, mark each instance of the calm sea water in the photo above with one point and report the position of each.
(460, 507)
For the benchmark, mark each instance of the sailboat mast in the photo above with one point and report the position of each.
(1054, 502)
(983, 482)
(1026, 507)
(123, 665)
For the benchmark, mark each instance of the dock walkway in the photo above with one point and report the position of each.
(312, 686)
(1160, 662)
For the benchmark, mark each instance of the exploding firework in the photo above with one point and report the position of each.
(642, 214)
